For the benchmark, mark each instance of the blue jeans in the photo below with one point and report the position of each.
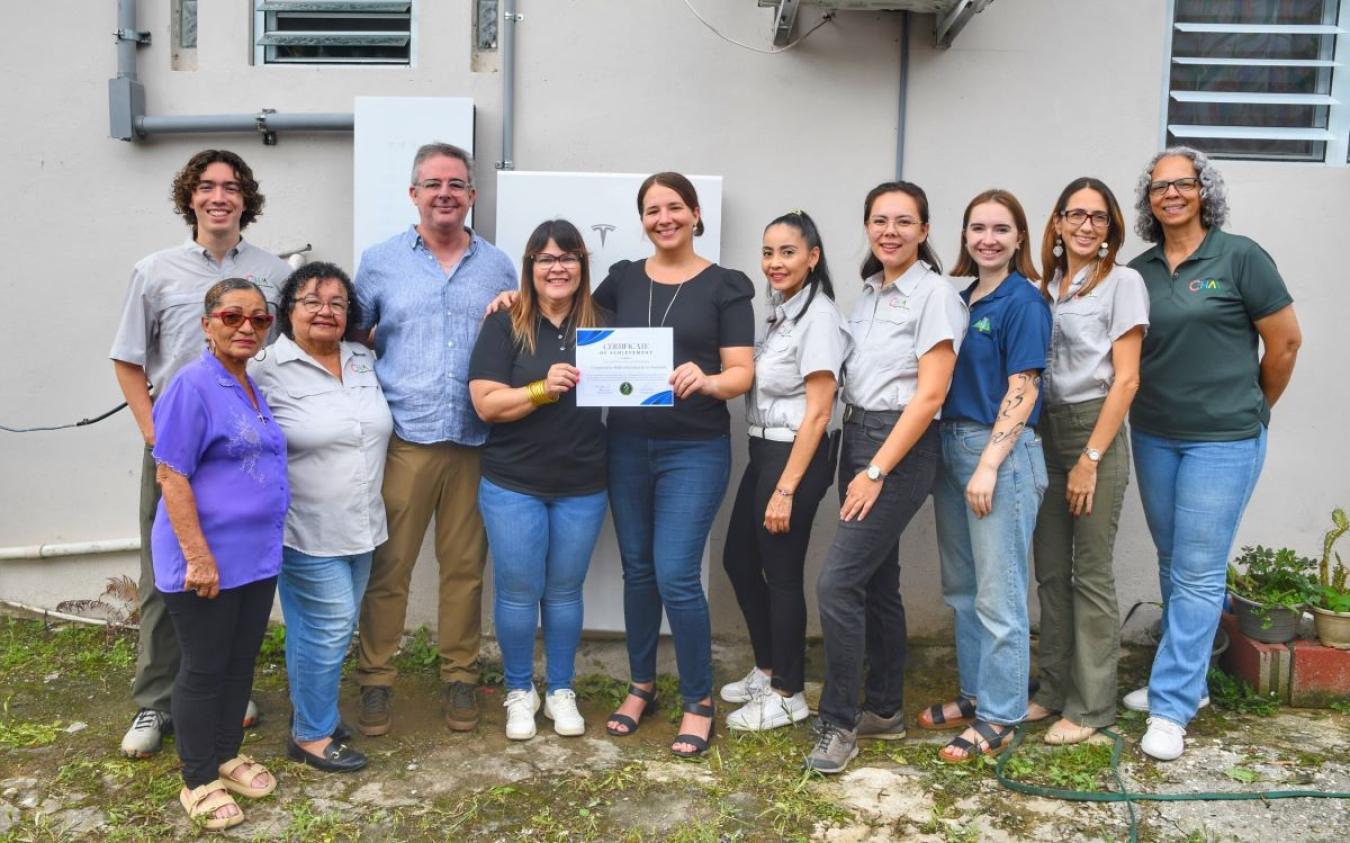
(1194, 494)
(541, 549)
(320, 599)
(664, 494)
(984, 566)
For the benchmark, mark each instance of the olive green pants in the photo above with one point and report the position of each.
(157, 658)
(1080, 618)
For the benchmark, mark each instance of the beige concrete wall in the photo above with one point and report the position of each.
(1032, 95)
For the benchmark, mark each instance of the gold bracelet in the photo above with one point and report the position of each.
(537, 392)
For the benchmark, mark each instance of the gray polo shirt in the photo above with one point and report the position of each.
(337, 433)
(1078, 365)
(794, 345)
(161, 326)
(892, 327)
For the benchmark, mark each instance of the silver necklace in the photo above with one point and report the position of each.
(651, 288)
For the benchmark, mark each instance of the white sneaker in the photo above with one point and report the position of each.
(252, 716)
(146, 735)
(521, 706)
(1164, 739)
(1137, 700)
(768, 711)
(560, 706)
(755, 683)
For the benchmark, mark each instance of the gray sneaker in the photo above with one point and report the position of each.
(146, 735)
(835, 747)
(875, 727)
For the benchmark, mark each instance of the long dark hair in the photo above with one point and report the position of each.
(871, 265)
(818, 279)
(1115, 236)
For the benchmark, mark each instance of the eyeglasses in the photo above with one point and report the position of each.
(233, 319)
(899, 222)
(1075, 217)
(569, 260)
(313, 305)
(1158, 188)
(454, 185)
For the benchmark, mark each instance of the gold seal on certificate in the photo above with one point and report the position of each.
(625, 367)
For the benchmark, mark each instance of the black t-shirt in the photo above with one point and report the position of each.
(709, 312)
(559, 449)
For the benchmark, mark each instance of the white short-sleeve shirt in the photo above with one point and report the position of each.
(337, 433)
(1078, 365)
(892, 326)
(799, 339)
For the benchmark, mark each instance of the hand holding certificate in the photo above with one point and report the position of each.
(625, 367)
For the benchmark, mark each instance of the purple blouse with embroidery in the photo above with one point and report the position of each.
(235, 459)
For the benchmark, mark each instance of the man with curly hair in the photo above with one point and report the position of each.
(160, 331)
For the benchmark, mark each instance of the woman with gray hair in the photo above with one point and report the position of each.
(1198, 424)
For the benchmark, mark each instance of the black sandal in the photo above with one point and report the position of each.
(938, 721)
(700, 744)
(649, 697)
(994, 739)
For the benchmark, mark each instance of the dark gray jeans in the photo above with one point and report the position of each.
(862, 615)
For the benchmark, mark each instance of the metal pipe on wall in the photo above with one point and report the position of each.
(904, 97)
(200, 123)
(90, 548)
(510, 19)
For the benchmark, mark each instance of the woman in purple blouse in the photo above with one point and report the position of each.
(216, 546)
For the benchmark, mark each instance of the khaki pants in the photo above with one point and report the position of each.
(157, 658)
(1080, 618)
(419, 481)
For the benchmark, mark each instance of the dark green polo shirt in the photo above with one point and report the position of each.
(1199, 376)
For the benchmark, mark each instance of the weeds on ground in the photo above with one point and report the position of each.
(27, 735)
(33, 650)
(1233, 694)
(1084, 766)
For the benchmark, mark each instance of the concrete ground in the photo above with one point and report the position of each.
(64, 704)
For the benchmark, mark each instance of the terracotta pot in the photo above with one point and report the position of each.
(1333, 628)
(1275, 625)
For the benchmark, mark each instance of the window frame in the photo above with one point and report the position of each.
(1336, 135)
(264, 53)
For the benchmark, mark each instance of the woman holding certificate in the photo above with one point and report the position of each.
(669, 466)
(542, 494)
(797, 367)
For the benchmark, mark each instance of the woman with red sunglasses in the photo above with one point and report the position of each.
(221, 462)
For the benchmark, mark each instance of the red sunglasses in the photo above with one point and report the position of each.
(233, 319)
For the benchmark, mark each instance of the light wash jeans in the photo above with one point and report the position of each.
(541, 550)
(320, 599)
(984, 567)
(1194, 494)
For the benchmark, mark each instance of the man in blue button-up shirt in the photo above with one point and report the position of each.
(423, 294)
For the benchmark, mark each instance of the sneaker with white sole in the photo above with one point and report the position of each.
(835, 747)
(560, 706)
(1137, 700)
(1164, 739)
(744, 690)
(769, 710)
(146, 735)
(872, 726)
(521, 706)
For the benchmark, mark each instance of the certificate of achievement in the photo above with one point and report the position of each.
(625, 367)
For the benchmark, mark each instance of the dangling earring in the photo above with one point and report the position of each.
(1058, 251)
(261, 355)
(211, 345)
(1102, 250)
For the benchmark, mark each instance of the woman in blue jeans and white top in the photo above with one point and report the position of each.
(992, 478)
(1100, 315)
(797, 365)
(906, 325)
(1199, 424)
(542, 494)
(669, 466)
(325, 397)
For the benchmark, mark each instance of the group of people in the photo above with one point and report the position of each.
(307, 465)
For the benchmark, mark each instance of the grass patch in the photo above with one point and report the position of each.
(1084, 766)
(1233, 694)
(33, 650)
(28, 735)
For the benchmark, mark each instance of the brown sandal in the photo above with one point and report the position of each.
(202, 803)
(227, 769)
(991, 740)
(933, 717)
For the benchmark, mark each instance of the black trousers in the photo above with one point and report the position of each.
(765, 568)
(861, 611)
(219, 640)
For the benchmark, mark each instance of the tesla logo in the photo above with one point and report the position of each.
(602, 229)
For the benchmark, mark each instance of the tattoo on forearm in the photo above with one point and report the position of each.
(1001, 436)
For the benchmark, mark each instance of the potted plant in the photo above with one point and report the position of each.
(1330, 603)
(1270, 594)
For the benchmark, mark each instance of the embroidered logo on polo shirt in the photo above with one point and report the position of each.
(1202, 284)
(982, 326)
(359, 366)
(897, 301)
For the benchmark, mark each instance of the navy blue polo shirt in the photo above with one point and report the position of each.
(1009, 333)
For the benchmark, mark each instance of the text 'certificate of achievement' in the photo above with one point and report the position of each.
(625, 367)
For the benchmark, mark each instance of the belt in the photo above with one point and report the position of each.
(857, 415)
(773, 434)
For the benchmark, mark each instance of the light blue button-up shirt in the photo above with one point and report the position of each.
(427, 321)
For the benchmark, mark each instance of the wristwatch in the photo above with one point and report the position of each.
(875, 474)
(1093, 454)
